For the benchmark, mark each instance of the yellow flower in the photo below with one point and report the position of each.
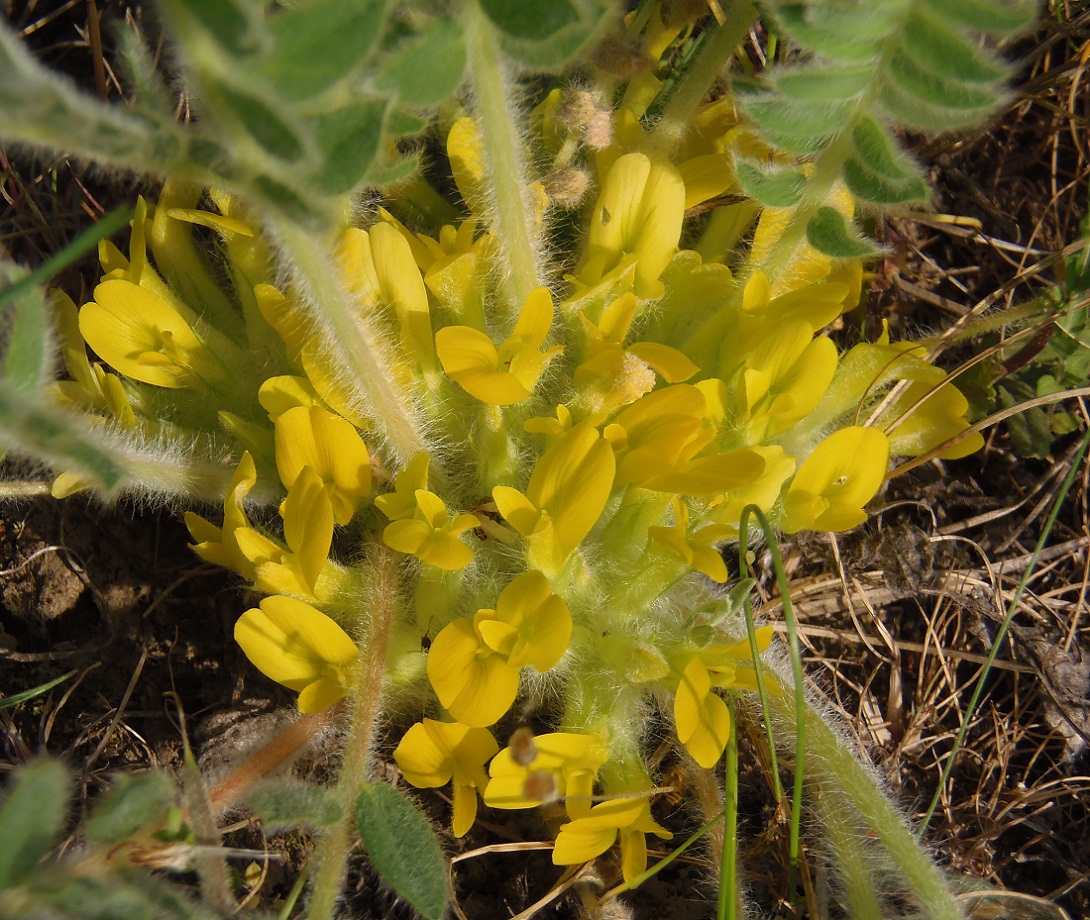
(219, 544)
(305, 569)
(379, 268)
(697, 549)
(785, 377)
(637, 219)
(429, 534)
(401, 504)
(658, 437)
(702, 717)
(836, 481)
(330, 446)
(432, 754)
(588, 837)
(474, 666)
(567, 491)
(612, 375)
(300, 647)
(506, 375)
(91, 388)
(563, 765)
(144, 337)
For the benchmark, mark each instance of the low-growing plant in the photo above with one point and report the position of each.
(484, 326)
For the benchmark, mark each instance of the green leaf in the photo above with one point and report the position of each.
(26, 361)
(349, 140)
(401, 123)
(287, 803)
(319, 43)
(31, 818)
(847, 46)
(16, 699)
(937, 88)
(986, 15)
(284, 199)
(828, 232)
(108, 899)
(874, 188)
(775, 189)
(263, 124)
(782, 115)
(534, 21)
(229, 22)
(878, 172)
(936, 47)
(913, 112)
(134, 802)
(442, 47)
(383, 172)
(403, 848)
(35, 426)
(823, 84)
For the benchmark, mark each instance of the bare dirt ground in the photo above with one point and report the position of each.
(897, 618)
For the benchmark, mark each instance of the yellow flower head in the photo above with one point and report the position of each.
(508, 374)
(300, 647)
(304, 570)
(563, 765)
(143, 336)
(474, 666)
(637, 218)
(836, 481)
(219, 545)
(432, 754)
(332, 447)
(588, 837)
(611, 375)
(698, 549)
(430, 534)
(565, 496)
(701, 716)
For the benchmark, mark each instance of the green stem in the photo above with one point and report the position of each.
(683, 103)
(332, 851)
(729, 890)
(855, 872)
(352, 343)
(832, 763)
(504, 162)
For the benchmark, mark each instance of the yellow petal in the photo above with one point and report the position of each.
(291, 642)
(141, 335)
(702, 718)
(476, 690)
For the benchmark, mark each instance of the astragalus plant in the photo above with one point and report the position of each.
(484, 327)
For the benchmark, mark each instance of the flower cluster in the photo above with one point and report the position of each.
(589, 450)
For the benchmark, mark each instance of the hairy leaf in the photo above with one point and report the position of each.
(442, 47)
(287, 803)
(828, 232)
(775, 189)
(31, 818)
(348, 139)
(134, 802)
(534, 21)
(319, 43)
(403, 848)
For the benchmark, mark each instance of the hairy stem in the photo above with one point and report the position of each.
(352, 345)
(504, 161)
(834, 765)
(332, 851)
(700, 77)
